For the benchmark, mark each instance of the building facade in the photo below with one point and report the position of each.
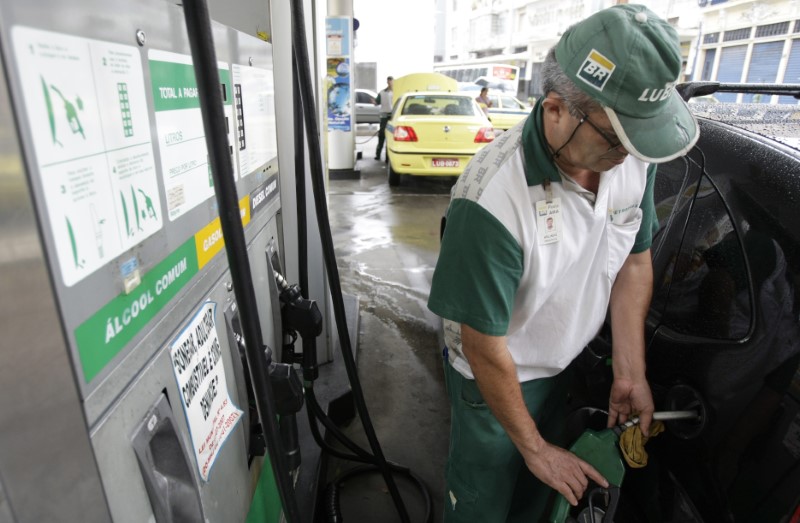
(721, 40)
(749, 41)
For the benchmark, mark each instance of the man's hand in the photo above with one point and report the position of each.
(629, 398)
(496, 377)
(563, 471)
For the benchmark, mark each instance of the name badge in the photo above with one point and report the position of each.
(548, 221)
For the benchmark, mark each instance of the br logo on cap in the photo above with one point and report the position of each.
(596, 70)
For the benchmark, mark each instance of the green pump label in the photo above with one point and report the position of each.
(105, 334)
(175, 86)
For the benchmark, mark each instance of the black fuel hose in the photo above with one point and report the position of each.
(332, 508)
(300, 184)
(299, 45)
(201, 42)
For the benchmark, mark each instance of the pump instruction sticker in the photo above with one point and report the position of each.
(181, 137)
(86, 109)
(197, 361)
(254, 100)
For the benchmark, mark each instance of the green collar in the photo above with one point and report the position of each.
(538, 164)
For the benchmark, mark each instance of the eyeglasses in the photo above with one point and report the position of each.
(613, 142)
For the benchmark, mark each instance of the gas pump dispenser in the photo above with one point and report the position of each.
(137, 381)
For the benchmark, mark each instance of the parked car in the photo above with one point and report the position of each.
(434, 133)
(367, 108)
(506, 110)
(723, 329)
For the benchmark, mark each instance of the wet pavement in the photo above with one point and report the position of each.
(387, 242)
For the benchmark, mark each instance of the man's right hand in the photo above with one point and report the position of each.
(563, 471)
(496, 377)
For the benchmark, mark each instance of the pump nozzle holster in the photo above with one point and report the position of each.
(302, 316)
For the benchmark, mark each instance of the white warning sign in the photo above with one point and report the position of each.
(197, 361)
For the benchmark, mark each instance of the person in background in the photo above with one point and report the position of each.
(519, 302)
(483, 100)
(385, 101)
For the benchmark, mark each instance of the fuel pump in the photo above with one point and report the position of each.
(140, 147)
(119, 204)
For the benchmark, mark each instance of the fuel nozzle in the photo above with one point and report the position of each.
(302, 316)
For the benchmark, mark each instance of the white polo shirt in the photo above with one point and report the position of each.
(506, 272)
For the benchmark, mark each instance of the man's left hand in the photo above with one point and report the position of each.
(630, 398)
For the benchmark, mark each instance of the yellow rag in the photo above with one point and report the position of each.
(631, 443)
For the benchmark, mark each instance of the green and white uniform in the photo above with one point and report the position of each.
(495, 272)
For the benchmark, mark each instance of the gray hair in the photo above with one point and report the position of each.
(554, 80)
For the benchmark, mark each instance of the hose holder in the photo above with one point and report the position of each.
(302, 316)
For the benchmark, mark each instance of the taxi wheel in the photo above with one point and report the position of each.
(394, 177)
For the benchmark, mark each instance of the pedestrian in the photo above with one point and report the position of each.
(483, 100)
(520, 301)
(385, 101)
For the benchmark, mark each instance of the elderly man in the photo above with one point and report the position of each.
(548, 228)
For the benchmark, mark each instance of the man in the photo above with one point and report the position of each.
(520, 302)
(385, 101)
(483, 100)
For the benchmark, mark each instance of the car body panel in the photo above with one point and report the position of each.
(724, 325)
(445, 124)
(423, 82)
(506, 111)
(367, 108)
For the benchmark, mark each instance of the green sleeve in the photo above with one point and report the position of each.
(378, 99)
(649, 225)
(478, 270)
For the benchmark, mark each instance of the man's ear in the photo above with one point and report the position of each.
(554, 109)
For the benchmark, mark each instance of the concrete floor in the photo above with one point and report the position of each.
(387, 242)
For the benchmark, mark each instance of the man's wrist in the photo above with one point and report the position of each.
(536, 444)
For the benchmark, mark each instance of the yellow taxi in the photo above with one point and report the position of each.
(434, 130)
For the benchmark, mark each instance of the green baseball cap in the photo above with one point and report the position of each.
(629, 60)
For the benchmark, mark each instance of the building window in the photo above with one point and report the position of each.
(498, 24)
(708, 65)
(520, 49)
(792, 73)
(737, 34)
(772, 29)
(731, 64)
(522, 20)
(711, 38)
(763, 69)
(797, 26)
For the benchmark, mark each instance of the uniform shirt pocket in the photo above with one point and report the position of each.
(621, 235)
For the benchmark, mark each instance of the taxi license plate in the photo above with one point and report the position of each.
(444, 162)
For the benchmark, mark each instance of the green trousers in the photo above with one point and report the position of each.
(487, 479)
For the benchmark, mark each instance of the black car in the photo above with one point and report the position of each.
(723, 330)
